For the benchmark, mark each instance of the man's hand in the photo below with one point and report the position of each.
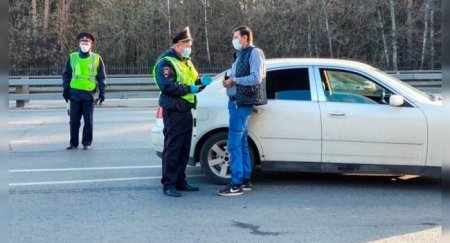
(228, 83)
(101, 98)
(66, 95)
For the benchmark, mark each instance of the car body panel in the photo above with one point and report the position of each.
(391, 135)
(298, 141)
(438, 121)
(368, 132)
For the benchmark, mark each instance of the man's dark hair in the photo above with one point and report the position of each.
(244, 30)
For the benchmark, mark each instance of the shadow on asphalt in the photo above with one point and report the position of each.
(293, 178)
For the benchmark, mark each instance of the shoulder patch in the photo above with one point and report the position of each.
(166, 72)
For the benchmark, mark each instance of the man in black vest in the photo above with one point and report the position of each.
(247, 74)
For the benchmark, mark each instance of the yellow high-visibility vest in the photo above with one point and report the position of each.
(84, 71)
(186, 74)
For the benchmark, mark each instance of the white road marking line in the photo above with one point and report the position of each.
(21, 141)
(90, 181)
(24, 123)
(87, 168)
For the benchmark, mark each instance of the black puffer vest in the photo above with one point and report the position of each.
(249, 95)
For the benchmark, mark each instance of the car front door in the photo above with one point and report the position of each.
(288, 128)
(360, 127)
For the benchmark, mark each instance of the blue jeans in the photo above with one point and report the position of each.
(241, 165)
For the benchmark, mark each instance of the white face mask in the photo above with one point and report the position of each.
(85, 47)
(236, 44)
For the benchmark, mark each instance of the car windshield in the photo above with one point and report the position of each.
(416, 91)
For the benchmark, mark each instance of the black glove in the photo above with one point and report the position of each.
(66, 95)
(101, 98)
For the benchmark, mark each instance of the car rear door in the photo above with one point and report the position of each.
(360, 127)
(288, 128)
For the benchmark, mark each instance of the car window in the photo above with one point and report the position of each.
(288, 84)
(349, 87)
(416, 92)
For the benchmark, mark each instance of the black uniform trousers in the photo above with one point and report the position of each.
(177, 143)
(77, 109)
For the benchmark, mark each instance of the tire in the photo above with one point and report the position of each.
(215, 149)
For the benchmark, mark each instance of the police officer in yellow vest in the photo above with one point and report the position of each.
(178, 82)
(83, 84)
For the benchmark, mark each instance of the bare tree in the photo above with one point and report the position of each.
(432, 49)
(34, 18)
(205, 11)
(46, 14)
(383, 37)
(168, 19)
(393, 35)
(409, 30)
(308, 18)
(63, 16)
(425, 33)
(327, 27)
(309, 36)
(166, 15)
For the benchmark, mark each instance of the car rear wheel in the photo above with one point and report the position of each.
(215, 158)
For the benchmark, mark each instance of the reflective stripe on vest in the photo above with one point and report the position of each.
(84, 71)
(186, 74)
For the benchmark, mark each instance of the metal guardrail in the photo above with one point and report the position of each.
(23, 95)
(422, 75)
(55, 96)
(22, 85)
(56, 80)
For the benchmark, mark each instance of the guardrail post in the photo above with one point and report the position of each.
(22, 89)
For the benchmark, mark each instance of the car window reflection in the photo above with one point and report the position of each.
(288, 84)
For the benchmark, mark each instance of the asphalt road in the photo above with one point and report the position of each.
(112, 193)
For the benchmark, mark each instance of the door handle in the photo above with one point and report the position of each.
(336, 114)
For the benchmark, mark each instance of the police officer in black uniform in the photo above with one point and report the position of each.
(178, 81)
(83, 84)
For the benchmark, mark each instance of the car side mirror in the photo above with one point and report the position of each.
(396, 100)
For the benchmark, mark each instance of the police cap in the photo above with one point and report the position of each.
(183, 36)
(85, 36)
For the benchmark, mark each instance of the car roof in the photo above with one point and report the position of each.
(274, 62)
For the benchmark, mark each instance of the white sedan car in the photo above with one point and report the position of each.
(324, 115)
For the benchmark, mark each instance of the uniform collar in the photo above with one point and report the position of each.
(84, 55)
